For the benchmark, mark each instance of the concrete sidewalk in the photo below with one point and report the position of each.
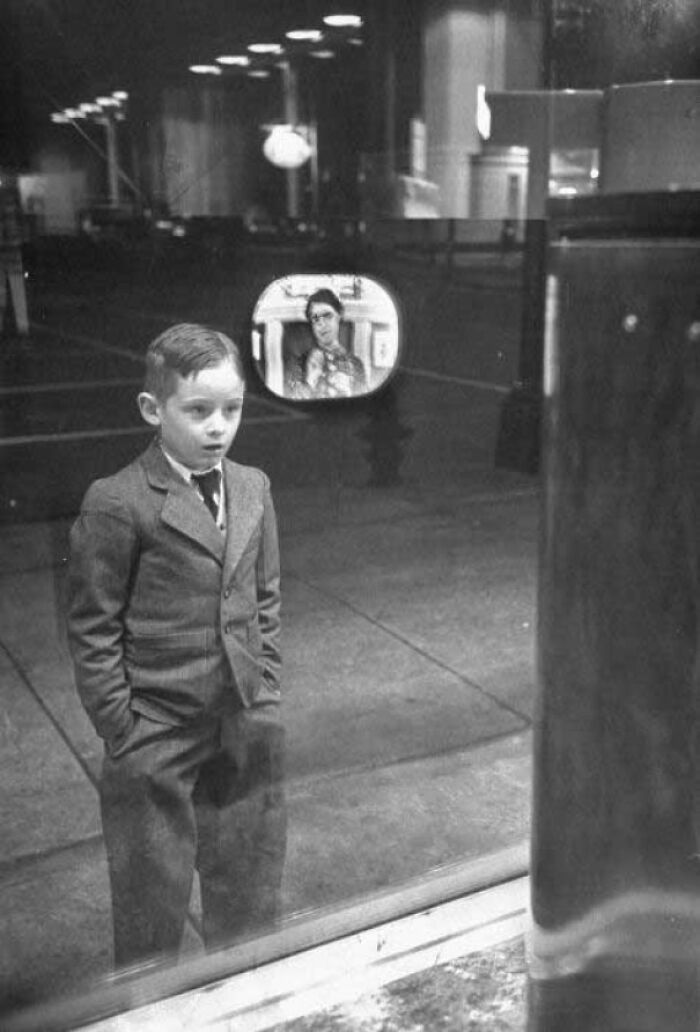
(409, 684)
(408, 609)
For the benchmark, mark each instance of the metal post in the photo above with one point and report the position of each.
(112, 159)
(519, 435)
(313, 167)
(519, 439)
(291, 117)
(390, 104)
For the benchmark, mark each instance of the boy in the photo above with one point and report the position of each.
(174, 632)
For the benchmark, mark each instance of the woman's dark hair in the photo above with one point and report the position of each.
(324, 296)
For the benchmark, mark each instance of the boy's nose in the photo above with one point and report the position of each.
(217, 426)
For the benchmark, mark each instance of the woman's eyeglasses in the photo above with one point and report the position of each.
(318, 317)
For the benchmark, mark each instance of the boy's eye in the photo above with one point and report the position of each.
(197, 410)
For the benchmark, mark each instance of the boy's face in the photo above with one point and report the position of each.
(199, 419)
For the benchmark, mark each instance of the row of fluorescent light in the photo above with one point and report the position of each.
(313, 39)
(347, 24)
(102, 106)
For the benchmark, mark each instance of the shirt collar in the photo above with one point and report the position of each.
(184, 471)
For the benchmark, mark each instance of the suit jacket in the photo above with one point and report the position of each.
(167, 616)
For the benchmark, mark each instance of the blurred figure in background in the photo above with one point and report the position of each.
(11, 266)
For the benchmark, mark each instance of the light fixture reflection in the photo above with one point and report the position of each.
(305, 35)
(265, 48)
(234, 60)
(205, 69)
(286, 148)
(483, 113)
(343, 21)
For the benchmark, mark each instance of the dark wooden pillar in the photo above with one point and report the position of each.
(616, 908)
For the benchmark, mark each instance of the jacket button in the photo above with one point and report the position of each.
(227, 592)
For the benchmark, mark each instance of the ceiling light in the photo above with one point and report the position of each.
(265, 48)
(90, 109)
(72, 113)
(237, 60)
(305, 35)
(323, 55)
(107, 102)
(205, 69)
(343, 21)
(259, 73)
(60, 118)
(286, 148)
(120, 95)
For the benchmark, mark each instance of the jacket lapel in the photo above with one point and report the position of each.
(182, 509)
(243, 513)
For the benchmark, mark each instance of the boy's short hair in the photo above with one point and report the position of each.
(323, 296)
(185, 349)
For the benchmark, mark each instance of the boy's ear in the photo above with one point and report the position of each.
(149, 407)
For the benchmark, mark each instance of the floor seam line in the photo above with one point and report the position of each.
(25, 860)
(440, 521)
(299, 782)
(526, 721)
(27, 682)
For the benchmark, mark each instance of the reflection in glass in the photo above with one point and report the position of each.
(386, 436)
(238, 806)
(173, 627)
(405, 560)
(320, 337)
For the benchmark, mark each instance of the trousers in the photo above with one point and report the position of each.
(206, 796)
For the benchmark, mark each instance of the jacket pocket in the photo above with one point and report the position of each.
(169, 655)
(181, 673)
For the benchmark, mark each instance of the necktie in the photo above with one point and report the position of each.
(210, 485)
